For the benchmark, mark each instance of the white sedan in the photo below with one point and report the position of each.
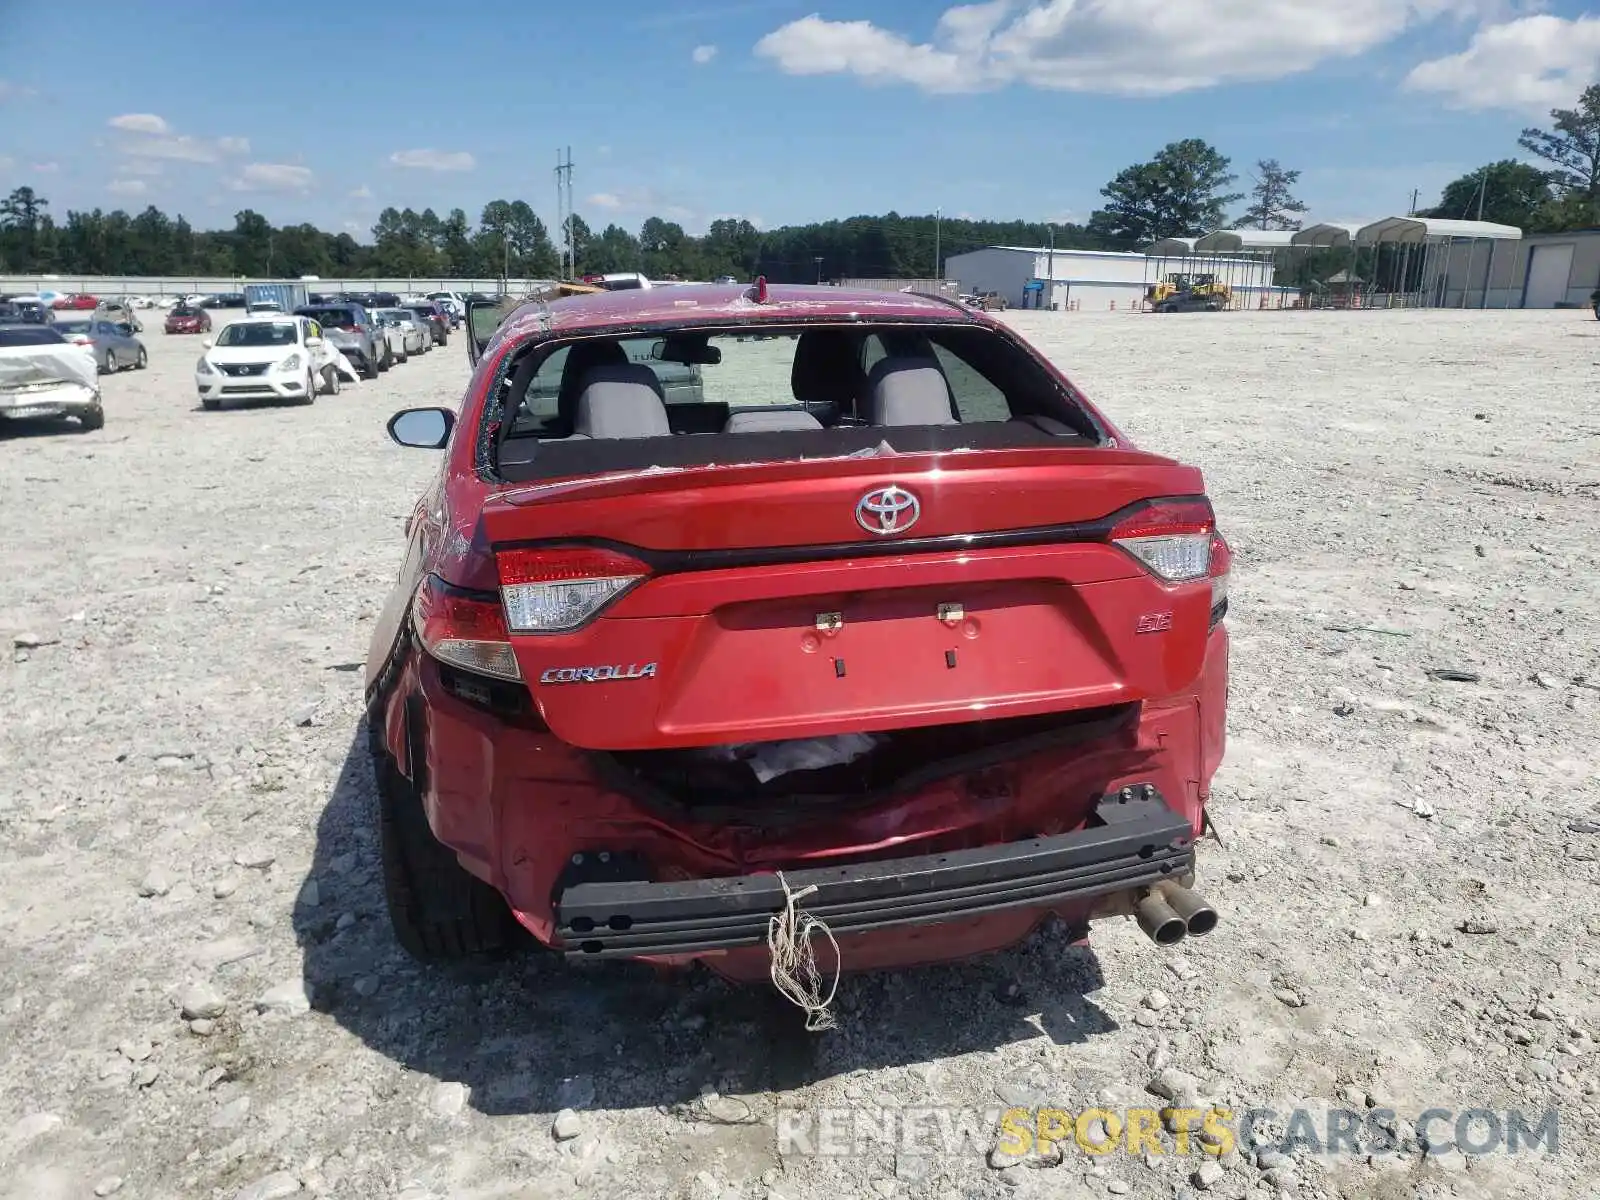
(271, 356)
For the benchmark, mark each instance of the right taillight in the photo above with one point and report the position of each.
(1173, 539)
(1221, 564)
(464, 629)
(556, 589)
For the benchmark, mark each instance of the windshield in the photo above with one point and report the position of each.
(259, 333)
(29, 335)
(330, 316)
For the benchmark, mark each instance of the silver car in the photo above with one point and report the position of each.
(115, 346)
(418, 337)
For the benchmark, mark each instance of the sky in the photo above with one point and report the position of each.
(779, 111)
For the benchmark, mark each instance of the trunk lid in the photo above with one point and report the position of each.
(775, 604)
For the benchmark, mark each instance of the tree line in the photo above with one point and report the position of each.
(1183, 191)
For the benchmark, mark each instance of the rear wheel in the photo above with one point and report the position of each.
(369, 369)
(111, 362)
(438, 908)
(142, 361)
(94, 419)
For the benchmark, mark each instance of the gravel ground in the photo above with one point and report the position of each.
(200, 995)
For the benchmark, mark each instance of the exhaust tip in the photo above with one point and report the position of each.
(1198, 915)
(1202, 922)
(1160, 923)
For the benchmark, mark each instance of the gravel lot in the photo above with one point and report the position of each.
(1407, 873)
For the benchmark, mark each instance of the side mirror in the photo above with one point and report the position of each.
(208, 343)
(313, 342)
(422, 428)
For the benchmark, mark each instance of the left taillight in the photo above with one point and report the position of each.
(1173, 539)
(557, 589)
(464, 629)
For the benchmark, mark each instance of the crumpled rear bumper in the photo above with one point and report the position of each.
(64, 399)
(1135, 840)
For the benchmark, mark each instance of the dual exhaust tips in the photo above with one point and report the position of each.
(1168, 913)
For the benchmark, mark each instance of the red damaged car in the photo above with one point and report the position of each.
(726, 594)
(184, 319)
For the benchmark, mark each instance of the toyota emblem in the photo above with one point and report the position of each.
(887, 510)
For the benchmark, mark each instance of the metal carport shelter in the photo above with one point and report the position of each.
(1256, 246)
(1433, 238)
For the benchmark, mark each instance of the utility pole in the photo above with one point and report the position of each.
(818, 260)
(1050, 267)
(938, 269)
(1483, 186)
(1412, 211)
(564, 213)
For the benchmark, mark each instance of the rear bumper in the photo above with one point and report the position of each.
(1137, 841)
(61, 400)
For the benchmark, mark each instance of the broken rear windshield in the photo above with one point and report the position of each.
(720, 394)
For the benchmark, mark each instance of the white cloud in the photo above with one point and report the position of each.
(127, 187)
(15, 91)
(1530, 66)
(361, 193)
(703, 54)
(1123, 47)
(233, 145)
(180, 149)
(606, 200)
(7, 162)
(272, 177)
(140, 123)
(434, 160)
(142, 166)
(45, 168)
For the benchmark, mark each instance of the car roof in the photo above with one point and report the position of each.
(714, 303)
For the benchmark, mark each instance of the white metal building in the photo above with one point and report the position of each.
(1090, 280)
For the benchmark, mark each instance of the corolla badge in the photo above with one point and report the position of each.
(888, 509)
(598, 674)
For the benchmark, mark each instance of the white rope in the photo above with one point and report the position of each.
(794, 962)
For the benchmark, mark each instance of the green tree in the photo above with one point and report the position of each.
(455, 245)
(1573, 145)
(252, 243)
(1512, 193)
(21, 217)
(533, 252)
(614, 250)
(1273, 204)
(1178, 193)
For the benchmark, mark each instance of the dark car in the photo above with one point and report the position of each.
(353, 330)
(662, 675)
(437, 319)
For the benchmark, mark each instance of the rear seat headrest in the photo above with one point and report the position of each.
(770, 421)
(621, 401)
(909, 391)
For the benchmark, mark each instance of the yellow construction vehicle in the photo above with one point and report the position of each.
(1184, 292)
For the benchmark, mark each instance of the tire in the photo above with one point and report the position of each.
(369, 368)
(111, 362)
(142, 361)
(92, 420)
(387, 360)
(440, 911)
(401, 357)
(311, 388)
(335, 384)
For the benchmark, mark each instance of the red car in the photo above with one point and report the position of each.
(852, 587)
(183, 319)
(77, 302)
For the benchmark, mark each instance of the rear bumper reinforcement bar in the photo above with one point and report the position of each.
(1136, 841)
